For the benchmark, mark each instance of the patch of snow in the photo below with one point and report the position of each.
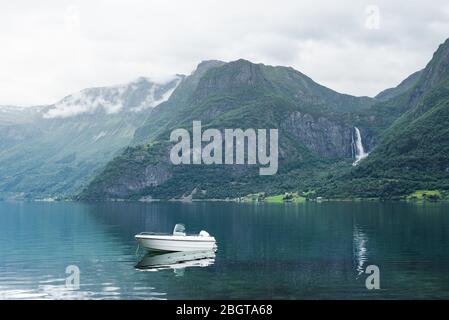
(151, 102)
(99, 136)
(167, 94)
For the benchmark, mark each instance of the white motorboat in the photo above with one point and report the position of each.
(178, 241)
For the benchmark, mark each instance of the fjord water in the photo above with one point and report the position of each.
(265, 251)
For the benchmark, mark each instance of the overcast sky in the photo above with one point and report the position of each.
(49, 49)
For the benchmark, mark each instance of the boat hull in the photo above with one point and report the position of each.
(175, 244)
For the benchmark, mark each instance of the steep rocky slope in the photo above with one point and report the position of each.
(314, 123)
(51, 151)
(414, 151)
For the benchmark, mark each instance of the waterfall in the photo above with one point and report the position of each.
(358, 150)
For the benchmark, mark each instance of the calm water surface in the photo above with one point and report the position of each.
(265, 251)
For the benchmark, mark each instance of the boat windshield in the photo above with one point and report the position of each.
(179, 229)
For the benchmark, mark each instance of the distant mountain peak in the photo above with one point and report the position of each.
(438, 68)
(138, 95)
(205, 65)
(402, 87)
(432, 76)
(210, 62)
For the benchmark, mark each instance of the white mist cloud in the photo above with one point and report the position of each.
(112, 99)
(51, 48)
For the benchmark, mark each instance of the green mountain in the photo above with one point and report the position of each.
(413, 153)
(403, 87)
(114, 142)
(314, 122)
(52, 151)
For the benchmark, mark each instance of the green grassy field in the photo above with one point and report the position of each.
(422, 195)
(279, 198)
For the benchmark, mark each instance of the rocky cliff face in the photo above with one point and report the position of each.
(322, 136)
(240, 74)
(137, 180)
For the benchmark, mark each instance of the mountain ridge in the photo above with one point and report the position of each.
(237, 94)
(414, 151)
(52, 150)
(113, 142)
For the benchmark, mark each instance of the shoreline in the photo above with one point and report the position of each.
(232, 200)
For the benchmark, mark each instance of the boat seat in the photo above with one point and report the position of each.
(179, 230)
(204, 234)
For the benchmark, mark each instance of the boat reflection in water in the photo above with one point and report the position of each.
(177, 261)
